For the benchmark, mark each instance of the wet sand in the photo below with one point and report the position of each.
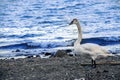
(60, 68)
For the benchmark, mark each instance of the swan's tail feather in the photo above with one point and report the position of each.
(111, 55)
(107, 52)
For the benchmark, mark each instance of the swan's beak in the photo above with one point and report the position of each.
(71, 23)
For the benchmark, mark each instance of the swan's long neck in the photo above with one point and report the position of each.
(79, 33)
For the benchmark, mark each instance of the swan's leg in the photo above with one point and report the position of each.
(93, 63)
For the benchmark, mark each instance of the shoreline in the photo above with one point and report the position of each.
(59, 68)
(24, 53)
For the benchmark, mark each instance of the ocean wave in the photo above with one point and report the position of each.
(104, 41)
(33, 45)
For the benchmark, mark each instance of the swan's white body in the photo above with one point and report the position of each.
(94, 50)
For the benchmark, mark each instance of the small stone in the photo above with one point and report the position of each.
(29, 56)
(47, 54)
(68, 50)
(98, 71)
(37, 55)
(105, 71)
(60, 53)
(114, 53)
(12, 58)
(17, 50)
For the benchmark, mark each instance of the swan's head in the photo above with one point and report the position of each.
(74, 21)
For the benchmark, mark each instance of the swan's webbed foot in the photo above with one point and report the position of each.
(93, 63)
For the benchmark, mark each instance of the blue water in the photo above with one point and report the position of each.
(40, 25)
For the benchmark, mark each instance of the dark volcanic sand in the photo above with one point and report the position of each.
(59, 68)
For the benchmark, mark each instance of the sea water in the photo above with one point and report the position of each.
(36, 26)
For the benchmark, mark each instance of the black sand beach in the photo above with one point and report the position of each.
(60, 68)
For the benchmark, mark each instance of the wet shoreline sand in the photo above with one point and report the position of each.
(60, 68)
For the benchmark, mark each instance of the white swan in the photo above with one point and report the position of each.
(94, 50)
